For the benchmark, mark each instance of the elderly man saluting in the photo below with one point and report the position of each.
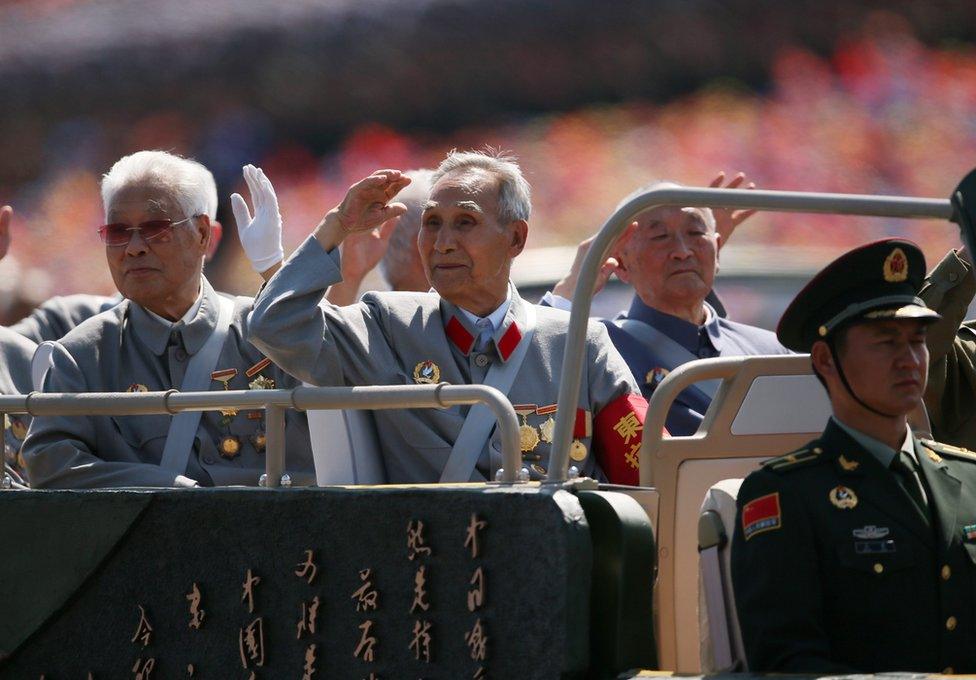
(670, 256)
(172, 331)
(474, 329)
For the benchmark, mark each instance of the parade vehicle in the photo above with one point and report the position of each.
(564, 578)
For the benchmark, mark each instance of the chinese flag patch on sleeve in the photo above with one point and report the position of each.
(761, 514)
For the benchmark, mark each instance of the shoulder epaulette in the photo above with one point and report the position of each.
(794, 459)
(949, 450)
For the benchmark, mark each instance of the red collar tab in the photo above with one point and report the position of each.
(459, 335)
(509, 341)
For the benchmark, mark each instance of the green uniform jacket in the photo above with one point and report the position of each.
(861, 583)
(950, 396)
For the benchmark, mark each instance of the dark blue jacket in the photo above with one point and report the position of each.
(719, 337)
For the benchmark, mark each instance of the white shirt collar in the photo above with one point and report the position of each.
(494, 319)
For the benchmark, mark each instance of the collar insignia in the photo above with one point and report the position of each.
(459, 335)
(848, 465)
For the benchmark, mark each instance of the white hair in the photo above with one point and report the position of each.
(192, 185)
(514, 194)
(403, 241)
(707, 214)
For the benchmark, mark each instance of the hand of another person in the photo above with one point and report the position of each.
(727, 219)
(567, 285)
(367, 203)
(363, 250)
(6, 213)
(260, 235)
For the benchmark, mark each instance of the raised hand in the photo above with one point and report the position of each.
(261, 234)
(367, 203)
(726, 219)
(6, 213)
(566, 286)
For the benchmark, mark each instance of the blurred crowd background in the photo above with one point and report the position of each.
(595, 99)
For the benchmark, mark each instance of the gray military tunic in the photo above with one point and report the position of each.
(15, 378)
(127, 349)
(55, 317)
(400, 338)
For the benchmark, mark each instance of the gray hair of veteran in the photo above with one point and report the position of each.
(707, 214)
(403, 241)
(191, 184)
(514, 194)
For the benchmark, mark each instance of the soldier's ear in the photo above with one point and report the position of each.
(822, 359)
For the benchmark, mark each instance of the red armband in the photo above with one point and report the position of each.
(619, 427)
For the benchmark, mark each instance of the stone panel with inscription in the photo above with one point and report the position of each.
(436, 582)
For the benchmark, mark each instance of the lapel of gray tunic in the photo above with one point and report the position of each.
(203, 339)
(511, 342)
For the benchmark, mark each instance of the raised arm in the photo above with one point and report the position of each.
(321, 343)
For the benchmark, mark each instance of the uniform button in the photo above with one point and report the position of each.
(878, 567)
(953, 276)
(951, 623)
(208, 460)
(481, 360)
(180, 354)
(946, 572)
(948, 670)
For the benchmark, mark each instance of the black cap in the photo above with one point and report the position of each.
(879, 280)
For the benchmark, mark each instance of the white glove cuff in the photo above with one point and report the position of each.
(265, 263)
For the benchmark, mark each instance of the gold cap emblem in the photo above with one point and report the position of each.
(896, 266)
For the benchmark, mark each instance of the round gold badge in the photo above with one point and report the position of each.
(230, 446)
(896, 266)
(260, 440)
(843, 497)
(577, 450)
(426, 373)
(137, 387)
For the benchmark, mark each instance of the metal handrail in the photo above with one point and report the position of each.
(783, 201)
(275, 402)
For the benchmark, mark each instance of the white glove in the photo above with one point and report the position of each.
(261, 235)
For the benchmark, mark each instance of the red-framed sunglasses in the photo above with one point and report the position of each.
(120, 233)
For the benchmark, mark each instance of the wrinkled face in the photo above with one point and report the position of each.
(886, 363)
(465, 250)
(671, 257)
(155, 273)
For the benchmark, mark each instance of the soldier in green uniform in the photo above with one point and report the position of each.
(857, 553)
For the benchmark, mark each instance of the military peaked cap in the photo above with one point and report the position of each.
(879, 280)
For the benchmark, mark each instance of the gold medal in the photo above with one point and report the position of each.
(528, 438)
(18, 428)
(843, 497)
(225, 376)
(528, 435)
(259, 440)
(230, 446)
(262, 383)
(538, 469)
(577, 450)
(426, 373)
(547, 429)
(137, 387)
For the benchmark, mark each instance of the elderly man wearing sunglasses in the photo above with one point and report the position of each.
(172, 331)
